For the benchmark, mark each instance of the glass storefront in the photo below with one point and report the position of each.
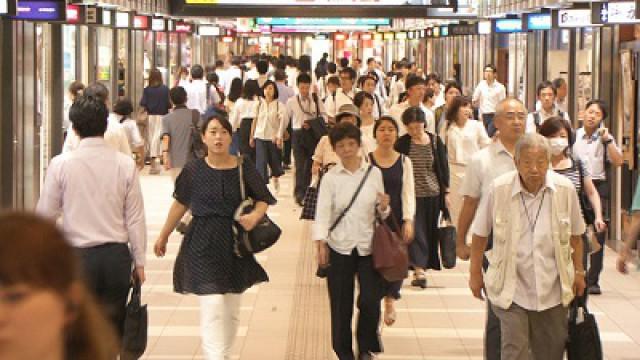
(123, 62)
(104, 43)
(69, 33)
(147, 53)
(173, 60)
(161, 55)
(186, 50)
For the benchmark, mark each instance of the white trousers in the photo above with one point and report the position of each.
(219, 320)
(154, 131)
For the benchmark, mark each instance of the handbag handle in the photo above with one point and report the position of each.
(241, 172)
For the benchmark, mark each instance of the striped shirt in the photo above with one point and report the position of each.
(573, 174)
(426, 180)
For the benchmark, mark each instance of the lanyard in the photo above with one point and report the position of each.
(308, 112)
(532, 225)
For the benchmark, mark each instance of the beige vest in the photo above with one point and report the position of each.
(500, 278)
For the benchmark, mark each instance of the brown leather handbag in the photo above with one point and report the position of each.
(390, 254)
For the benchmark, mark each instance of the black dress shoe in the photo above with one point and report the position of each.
(421, 283)
(595, 290)
(366, 356)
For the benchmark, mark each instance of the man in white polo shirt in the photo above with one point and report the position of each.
(416, 87)
(546, 93)
(487, 95)
(489, 163)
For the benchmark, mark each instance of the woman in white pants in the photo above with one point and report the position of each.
(206, 264)
(463, 137)
(155, 101)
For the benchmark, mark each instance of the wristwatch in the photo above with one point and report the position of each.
(607, 142)
(581, 272)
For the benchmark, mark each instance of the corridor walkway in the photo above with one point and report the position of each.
(287, 318)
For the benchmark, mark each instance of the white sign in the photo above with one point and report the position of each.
(106, 17)
(123, 19)
(209, 30)
(574, 18)
(158, 24)
(618, 12)
(484, 27)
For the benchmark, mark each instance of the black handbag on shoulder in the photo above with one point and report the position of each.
(134, 339)
(584, 336)
(262, 236)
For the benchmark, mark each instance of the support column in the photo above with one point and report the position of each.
(6, 115)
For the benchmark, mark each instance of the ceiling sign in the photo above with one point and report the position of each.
(615, 13)
(569, 18)
(307, 2)
(323, 21)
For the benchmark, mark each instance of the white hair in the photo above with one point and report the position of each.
(532, 140)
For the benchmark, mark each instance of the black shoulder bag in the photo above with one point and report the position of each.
(198, 148)
(262, 236)
(588, 213)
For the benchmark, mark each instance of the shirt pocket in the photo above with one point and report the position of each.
(564, 237)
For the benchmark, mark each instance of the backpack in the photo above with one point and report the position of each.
(198, 148)
(537, 120)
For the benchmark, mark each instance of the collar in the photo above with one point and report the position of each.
(517, 187)
(498, 148)
(553, 112)
(96, 141)
(582, 134)
(363, 166)
(178, 107)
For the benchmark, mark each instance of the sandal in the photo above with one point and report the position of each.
(389, 312)
(419, 280)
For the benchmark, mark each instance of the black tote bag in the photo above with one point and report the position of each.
(447, 239)
(134, 339)
(584, 336)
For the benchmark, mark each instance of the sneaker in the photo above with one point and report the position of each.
(595, 290)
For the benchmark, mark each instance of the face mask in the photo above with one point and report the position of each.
(558, 145)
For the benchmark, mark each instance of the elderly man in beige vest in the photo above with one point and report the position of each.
(535, 265)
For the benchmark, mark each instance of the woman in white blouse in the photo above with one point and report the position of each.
(463, 137)
(244, 111)
(364, 102)
(344, 243)
(266, 134)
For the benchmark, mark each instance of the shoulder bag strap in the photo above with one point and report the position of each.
(315, 100)
(378, 103)
(241, 172)
(353, 199)
(536, 119)
(577, 163)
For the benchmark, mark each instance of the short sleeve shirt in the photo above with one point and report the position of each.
(486, 165)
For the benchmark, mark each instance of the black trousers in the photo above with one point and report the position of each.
(286, 157)
(108, 273)
(341, 283)
(302, 159)
(492, 332)
(597, 258)
(244, 133)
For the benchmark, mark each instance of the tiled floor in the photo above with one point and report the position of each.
(443, 322)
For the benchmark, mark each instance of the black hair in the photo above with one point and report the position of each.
(490, 66)
(344, 130)
(402, 65)
(456, 104)
(349, 71)
(219, 64)
(263, 67)
(235, 90)
(333, 80)
(97, 91)
(545, 84)
(358, 100)
(178, 95)
(123, 107)
(303, 78)
(558, 82)
(364, 78)
(450, 85)
(304, 64)
(552, 125)
(428, 94)
(251, 90)
(344, 62)
(197, 72)
(413, 114)
(236, 61)
(435, 77)
(275, 88)
(332, 68)
(221, 119)
(382, 119)
(281, 64)
(212, 77)
(88, 116)
(414, 80)
(280, 75)
(369, 60)
(601, 104)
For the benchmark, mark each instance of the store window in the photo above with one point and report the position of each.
(69, 54)
(123, 62)
(147, 54)
(162, 55)
(584, 69)
(186, 50)
(173, 59)
(105, 45)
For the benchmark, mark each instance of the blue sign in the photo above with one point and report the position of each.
(539, 22)
(444, 31)
(508, 25)
(41, 11)
(323, 21)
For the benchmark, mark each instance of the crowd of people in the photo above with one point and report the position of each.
(400, 147)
